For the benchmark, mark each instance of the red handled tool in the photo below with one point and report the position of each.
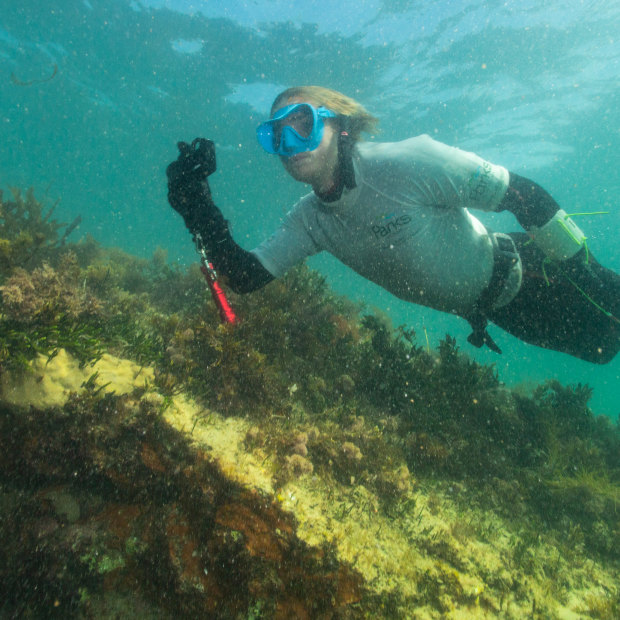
(227, 314)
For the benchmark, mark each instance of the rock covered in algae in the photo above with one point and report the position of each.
(310, 462)
(110, 506)
(157, 506)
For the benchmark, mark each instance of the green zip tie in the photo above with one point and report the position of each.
(588, 213)
(544, 271)
(605, 312)
(585, 245)
(568, 232)
(549, 260)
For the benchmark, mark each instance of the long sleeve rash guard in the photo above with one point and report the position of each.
(405, 226)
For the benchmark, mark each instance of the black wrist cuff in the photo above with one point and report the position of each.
(529, 202)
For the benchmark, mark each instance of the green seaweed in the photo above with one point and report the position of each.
(332, 391)
(28, 233)
(604, 606)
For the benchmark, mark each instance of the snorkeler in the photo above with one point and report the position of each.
(398, 214)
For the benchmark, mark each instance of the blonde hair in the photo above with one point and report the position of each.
(359, 119)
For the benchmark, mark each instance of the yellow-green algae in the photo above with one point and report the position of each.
(404, 482)
(428, 556)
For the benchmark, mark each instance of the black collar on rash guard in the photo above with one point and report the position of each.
(345, 174)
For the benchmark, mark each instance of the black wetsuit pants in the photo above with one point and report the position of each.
(569, 307)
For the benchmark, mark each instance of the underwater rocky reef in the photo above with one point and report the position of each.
(311, 461)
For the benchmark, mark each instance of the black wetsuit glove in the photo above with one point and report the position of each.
(189, 193)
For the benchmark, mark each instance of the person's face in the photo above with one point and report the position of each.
(317, 167)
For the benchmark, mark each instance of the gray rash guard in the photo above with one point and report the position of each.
(405, 226)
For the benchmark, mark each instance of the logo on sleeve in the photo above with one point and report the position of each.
(479, 181)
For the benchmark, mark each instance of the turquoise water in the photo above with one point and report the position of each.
(95, 94)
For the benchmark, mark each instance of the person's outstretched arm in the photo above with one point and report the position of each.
(190, 196)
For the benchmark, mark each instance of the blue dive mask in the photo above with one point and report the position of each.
(293, 129)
